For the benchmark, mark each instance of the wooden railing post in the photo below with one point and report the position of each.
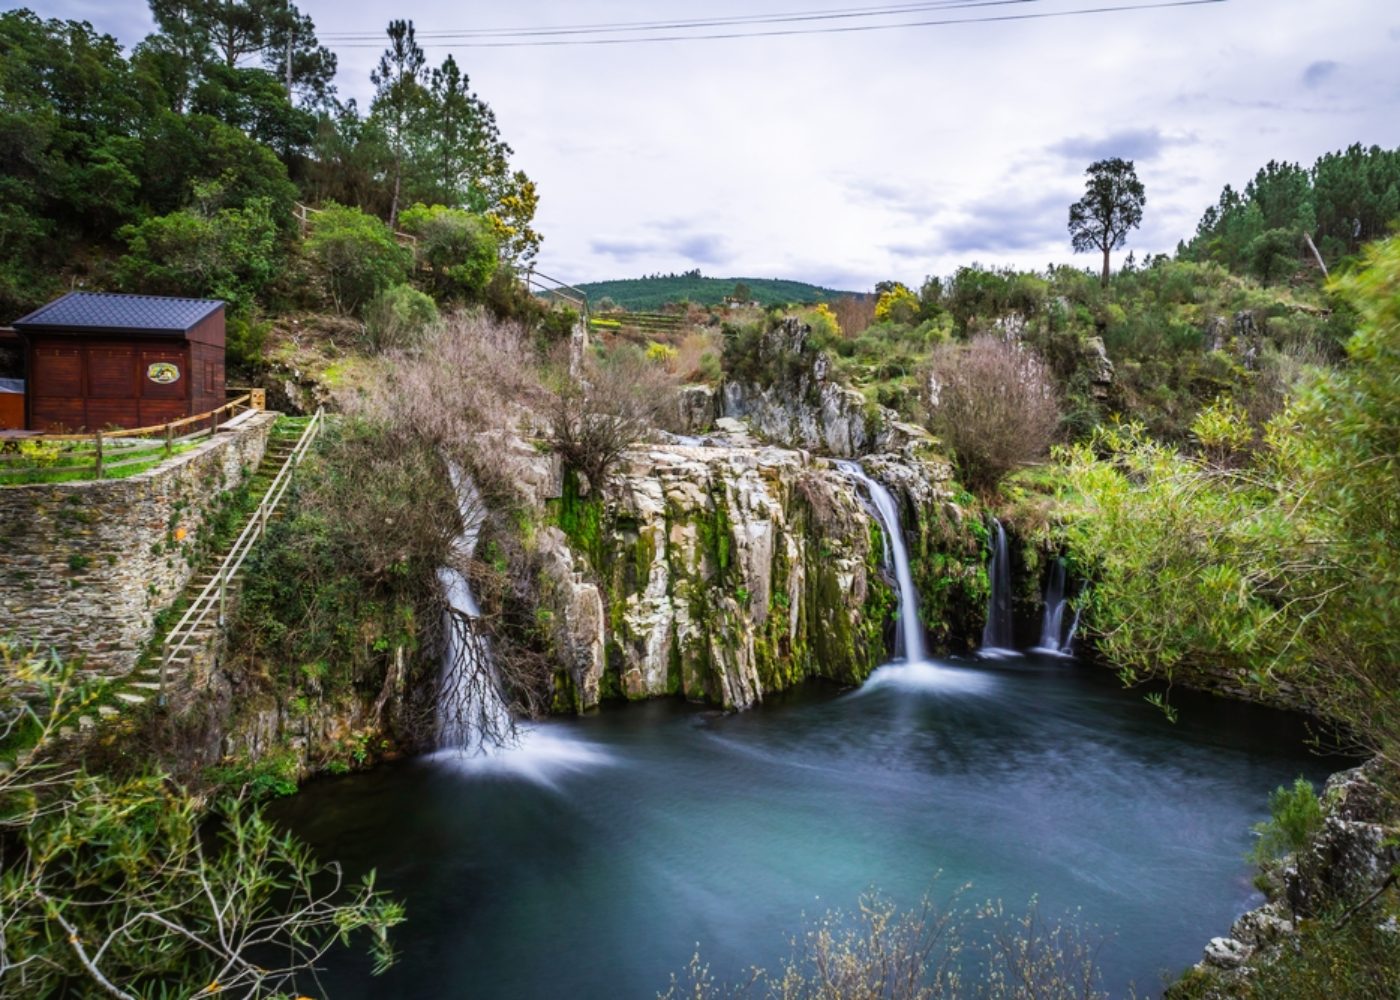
(97, 473)
(169, 439)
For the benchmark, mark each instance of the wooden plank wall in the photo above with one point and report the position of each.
(79, 383)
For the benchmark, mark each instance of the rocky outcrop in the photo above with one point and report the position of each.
(719, 567)
(724, 571)
(1100, 366)
(577, 630)
(1347, 861)
(697, 408)
(1355, 850)
(788, 395)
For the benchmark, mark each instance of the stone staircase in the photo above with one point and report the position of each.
(144, 683)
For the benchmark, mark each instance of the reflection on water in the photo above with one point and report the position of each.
(591, 860)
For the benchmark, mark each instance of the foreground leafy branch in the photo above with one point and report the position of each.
(132, 888)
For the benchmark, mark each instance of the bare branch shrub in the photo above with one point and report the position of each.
(618, 402)
(993, 402)
(931, 952)
(697, 356)
(468, 390)
(352, 573)
(854, 315)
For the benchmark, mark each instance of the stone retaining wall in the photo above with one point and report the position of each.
(86, 566)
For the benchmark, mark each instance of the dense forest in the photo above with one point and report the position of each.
(177, 169)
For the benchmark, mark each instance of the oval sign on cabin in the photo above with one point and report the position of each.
(163, 373)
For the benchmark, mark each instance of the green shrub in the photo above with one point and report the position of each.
(460, 248)
(557, 322)
(129, 885)
(337, 582)
(232, 254)
(398, 316)
(709, 367)
(244, 339)
(269, 777)
(356, 255)
(1295, 815)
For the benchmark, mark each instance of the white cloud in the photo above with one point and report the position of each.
(891, 154)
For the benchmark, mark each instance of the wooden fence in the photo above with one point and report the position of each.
(211, 603)
(100, 454)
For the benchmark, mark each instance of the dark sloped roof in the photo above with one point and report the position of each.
(119, 313)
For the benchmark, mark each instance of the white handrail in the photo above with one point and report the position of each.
(215, 592)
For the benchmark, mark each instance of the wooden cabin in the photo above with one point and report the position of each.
(11, 380)
(97, 361)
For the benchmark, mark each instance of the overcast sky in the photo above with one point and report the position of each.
(848, 158)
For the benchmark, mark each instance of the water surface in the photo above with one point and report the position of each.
(591, 862)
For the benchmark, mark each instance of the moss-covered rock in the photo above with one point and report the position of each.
(721, 573)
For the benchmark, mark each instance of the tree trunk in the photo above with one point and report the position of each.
(1316, 256)
(394, 204)
(1104, 279)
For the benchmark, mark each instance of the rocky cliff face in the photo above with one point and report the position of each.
(786, 393)
(727, 570)
(714, 572)
(1347, 862)
(722, 567)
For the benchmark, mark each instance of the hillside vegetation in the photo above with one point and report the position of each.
(657, 291)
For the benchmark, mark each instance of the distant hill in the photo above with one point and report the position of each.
(653, 293)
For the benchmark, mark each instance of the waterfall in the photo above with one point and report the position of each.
(1053, 623)
(1068, 646)
(996, 634)
(471, 715)
(1052, 626)
(887, 512)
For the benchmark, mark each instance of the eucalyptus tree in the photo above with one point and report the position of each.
(1111, 207)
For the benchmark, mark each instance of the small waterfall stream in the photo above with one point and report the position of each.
(1067, 647)
(471, 715)
(997, 634)
(887, 511)
(1052, 625)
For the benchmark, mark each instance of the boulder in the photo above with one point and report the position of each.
(1227, 953)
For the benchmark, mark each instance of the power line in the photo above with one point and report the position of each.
(839, 29)
(884, 10)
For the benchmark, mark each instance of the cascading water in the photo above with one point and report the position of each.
(996, 634)
(1068, 646)
(1052, 626)
(887, 511)
(1053, 622)
(471, 715)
